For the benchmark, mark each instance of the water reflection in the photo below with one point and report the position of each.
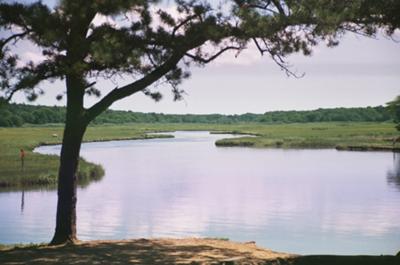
(300, 201)
(393, 176)
(22, 201)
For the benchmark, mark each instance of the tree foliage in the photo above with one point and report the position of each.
(15, 115)
(150, 44)
(394, 108)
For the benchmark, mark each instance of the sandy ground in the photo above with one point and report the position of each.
(171, 251)
(144, 251)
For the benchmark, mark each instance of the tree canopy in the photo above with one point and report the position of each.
(151, 41)
(394, 108)
(16, 115)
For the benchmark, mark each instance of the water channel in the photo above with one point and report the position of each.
(299, 201)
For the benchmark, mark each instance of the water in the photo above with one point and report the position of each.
(299, 201)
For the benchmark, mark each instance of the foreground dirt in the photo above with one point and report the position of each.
(171, 251)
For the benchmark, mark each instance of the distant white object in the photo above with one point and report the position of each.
(54, 135)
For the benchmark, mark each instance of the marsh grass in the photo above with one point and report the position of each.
(41, 170)
(344, 136)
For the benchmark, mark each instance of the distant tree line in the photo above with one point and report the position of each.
(16, 115)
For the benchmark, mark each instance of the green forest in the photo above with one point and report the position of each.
(17, 115)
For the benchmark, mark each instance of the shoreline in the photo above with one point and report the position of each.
(174, 251)
(89, 172)
(239, 142)
(42, 169)
(244, 143)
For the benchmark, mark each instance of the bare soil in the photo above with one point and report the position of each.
(171, 251)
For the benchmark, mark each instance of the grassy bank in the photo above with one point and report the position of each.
(174, 251)
(42, 169)
(343, 136)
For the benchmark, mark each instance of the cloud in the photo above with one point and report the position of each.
(127, 18)
(246, 57)
(35, 57)
(100, 19)
(32, 55)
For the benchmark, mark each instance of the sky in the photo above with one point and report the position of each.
(359, 72)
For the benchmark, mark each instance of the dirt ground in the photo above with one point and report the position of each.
(172, 251)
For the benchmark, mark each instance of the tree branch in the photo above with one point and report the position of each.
(29, 78)
(130, 89)
(12, 37)
(261, 50)
(213, 57)
(177, 27)
(259, 6)
(279, 7)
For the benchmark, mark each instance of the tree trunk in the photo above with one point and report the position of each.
(67, 184)
(74, 130)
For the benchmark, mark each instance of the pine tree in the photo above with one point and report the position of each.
(151, 44)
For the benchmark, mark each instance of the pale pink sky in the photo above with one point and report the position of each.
(360, 72)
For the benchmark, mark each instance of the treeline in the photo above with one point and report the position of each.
(16, 115)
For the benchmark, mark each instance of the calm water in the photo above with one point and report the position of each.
(302, 201)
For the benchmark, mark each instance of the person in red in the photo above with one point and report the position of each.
(22, 156)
